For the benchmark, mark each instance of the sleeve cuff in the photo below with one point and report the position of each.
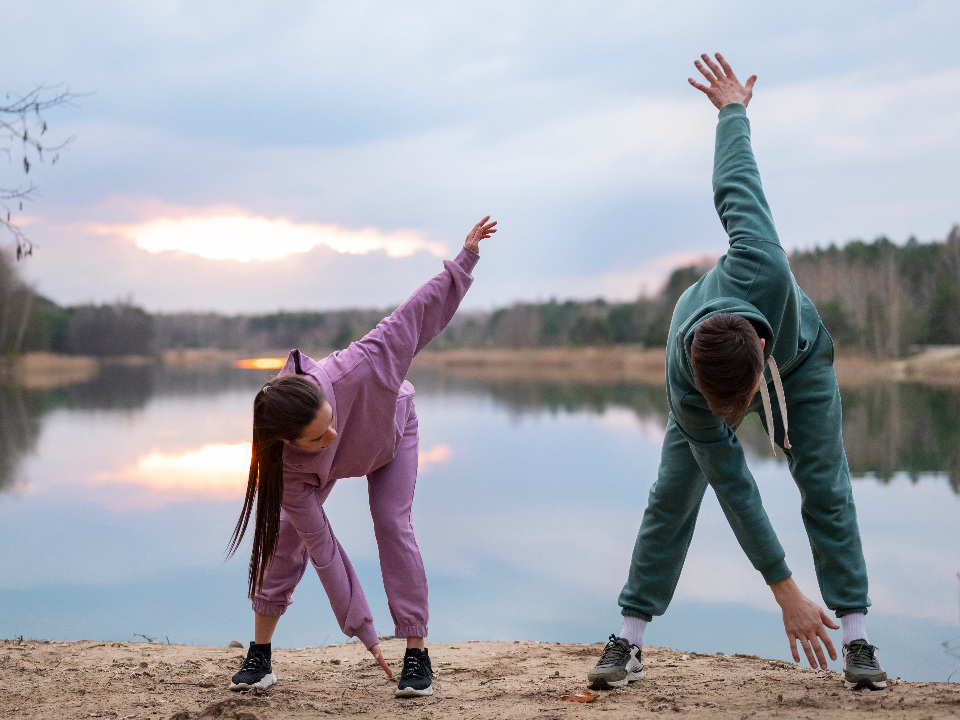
(467, 259)
(775, 573)
(368, 636)
(732, 109)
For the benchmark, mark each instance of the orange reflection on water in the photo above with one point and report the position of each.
(260, 363)
(212, 470)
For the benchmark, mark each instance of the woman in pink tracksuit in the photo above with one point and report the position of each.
(348, 415)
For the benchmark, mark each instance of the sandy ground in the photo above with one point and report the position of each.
(473, 680)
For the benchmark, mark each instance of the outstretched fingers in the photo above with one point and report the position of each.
(703, 71)
(485, 229)
(698, 86)
(727, 70)
(793, 647)
(714, 68)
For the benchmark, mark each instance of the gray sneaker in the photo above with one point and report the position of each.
(860, 667)
(618, 666)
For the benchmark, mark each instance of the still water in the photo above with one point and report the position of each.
(117, 498)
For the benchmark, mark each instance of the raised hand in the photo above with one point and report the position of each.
(375, 651)
(481, 231)
(724, 86)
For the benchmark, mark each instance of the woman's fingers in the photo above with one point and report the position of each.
(375, 651)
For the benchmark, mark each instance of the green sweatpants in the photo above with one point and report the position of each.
(818, 465)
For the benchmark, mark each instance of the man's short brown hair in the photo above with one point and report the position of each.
(727, 360)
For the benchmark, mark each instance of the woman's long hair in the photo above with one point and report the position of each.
(281, 410)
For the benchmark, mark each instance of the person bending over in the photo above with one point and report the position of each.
(743, 331)
(348, 415)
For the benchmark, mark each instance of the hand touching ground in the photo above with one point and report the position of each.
(805, 621)
(481, 231)
(724, 87)
(375, 651)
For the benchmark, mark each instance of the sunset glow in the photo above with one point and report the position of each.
(216, 470)
(436, 455)
(243, 237)
(260, 363)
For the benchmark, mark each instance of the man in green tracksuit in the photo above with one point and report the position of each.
(741, 328)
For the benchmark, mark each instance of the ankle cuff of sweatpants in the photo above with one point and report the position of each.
(633, 613)
(262, 607)
(408, 631)
(850, 611)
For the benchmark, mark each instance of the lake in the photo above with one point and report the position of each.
(118, 496)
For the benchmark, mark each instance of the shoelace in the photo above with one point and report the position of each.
(254, 661)
(614, 651)
(412, 667)
(862, 655)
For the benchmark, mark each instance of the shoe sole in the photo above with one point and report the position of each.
(601, 684)
(412, 692)
(262, 684)
(865, 685)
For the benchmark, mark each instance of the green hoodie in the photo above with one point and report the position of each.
(752, 280)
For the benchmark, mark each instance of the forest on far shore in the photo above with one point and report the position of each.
(874, 297)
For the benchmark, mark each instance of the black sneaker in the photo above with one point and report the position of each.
(417, 676)
(618, 666)
(861, 669)
(256, 671)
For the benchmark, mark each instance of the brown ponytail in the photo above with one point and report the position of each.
(281, 410)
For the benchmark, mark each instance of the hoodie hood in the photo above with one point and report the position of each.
(297, 363)
(683, 339)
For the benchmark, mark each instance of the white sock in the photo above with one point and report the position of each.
(854, 628)
(633, 628)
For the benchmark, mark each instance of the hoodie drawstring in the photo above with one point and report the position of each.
(768, 411)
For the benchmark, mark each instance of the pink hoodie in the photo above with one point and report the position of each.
(366, 386)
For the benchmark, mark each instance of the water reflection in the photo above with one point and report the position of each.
(887, 428)
(125, 489)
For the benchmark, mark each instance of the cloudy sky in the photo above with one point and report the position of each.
(250, 156)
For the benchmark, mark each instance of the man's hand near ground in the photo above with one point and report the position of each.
(724, 86)
(805, 621)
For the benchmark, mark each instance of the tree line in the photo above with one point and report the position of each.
(878, 297)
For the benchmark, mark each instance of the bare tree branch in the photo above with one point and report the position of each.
(22, 123)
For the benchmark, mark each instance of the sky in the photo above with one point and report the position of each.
(249, 157)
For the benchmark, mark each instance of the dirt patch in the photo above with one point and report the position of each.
(129, 681)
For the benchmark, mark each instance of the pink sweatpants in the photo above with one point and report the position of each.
(390, 489)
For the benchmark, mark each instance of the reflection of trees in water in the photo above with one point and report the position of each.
(117, 388)
(892, 428)
(649, 402)
(910, 428)
(907, 427)
(19, 430)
